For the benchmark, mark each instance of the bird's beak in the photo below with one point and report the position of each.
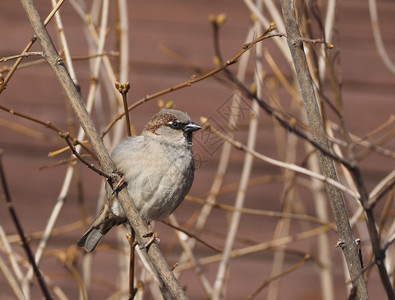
(191, 127)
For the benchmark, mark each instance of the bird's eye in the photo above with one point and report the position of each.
(175, 124)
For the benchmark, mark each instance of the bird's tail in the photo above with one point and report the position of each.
(104, 222)
(90, 239)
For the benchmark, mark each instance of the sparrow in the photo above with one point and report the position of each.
(158, 171)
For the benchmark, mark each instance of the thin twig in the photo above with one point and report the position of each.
(91, 166)
(188, 252)
(11, 280)
(122, 69)
(25, 54)
(7, 249)
(290, 125)
(274, 278)
(259, 212)
(80, 136)
(18, 225)
(132, 242)
(385, 185)
(92, 56)
(247, 166)
(65, 47)
(284, 224)
(194, 236)
(336, 198)
(239, 252)
(82, 144)
(123, 89)
(313, 41)
(27, 48)
(46, 124)
(188, 83)
(96, 41)
(324, 254)
(374, 19)
(282, 45)
(22, 115)
(278, 163)
(169, 285)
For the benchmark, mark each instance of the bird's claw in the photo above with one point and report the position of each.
(118, 186)
(154, 238)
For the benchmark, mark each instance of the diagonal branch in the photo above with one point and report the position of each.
(18, 225)
(350, 248)
(169, 286)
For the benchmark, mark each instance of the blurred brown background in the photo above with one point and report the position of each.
(368, 94)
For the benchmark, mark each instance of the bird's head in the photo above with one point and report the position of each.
(170, 125)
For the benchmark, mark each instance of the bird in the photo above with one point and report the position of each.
(158, 171)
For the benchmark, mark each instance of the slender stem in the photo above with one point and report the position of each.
(23, 54)
(188, 255)
(6, 244)
(27, 48)
(374, 19)
(65, 46)
(11, 280)
(122, 68)
(18, 225)
(193, 80)
(80, 158)
(278, 276)
(239, 252)
(169, 284)
(265, 23)
(194, 236)
(123, 89)
(132, 243)
(324, 254)
(350, 248)
(245, 175)
(279, 163)
(70, 171)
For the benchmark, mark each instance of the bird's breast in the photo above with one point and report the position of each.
(159, 181)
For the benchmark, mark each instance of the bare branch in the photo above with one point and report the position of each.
(66, 136)
(327, 165)
(278, 163)
(21, 232)
(170, 284)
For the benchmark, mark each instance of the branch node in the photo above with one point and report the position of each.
(122, 88)
(59, 61)
(340, 244)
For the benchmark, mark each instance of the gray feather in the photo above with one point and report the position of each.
(158, 169)
(90, 239)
